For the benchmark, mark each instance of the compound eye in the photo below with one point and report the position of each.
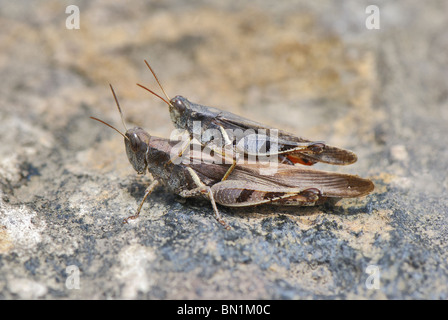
(179, 104)
(135, 142)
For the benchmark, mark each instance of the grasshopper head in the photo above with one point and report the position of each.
(136, 142)
(179, 110)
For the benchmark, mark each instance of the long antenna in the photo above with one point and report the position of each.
(158, 82)
(110, 126)
(167, 102)
(121, 115)
(118, 106)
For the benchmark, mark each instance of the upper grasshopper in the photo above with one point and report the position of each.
(220, 129)
(244, 186)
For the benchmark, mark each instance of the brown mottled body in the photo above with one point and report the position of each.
(199, 174)
(233, 131)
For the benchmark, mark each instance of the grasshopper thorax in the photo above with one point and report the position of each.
(136, 142)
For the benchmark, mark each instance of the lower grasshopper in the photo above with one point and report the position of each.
(245, 186)
(254, 139)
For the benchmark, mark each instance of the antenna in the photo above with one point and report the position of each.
(110, 126)
(118, 106)
(157, 79)
(121, 115)
(168, 103)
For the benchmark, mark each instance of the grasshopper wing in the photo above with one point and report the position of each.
(329, 184)
(287, 141)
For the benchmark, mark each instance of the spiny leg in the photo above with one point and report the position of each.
(148, 191)
(222, 152)
(229, 171)
(215, 209)
(227, 142)
(201, 189)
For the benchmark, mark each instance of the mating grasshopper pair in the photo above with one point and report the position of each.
(202, 174)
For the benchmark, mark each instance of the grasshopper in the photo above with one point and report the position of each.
(245, 186)
(252, 139)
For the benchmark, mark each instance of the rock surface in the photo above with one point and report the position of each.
(313, 69)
